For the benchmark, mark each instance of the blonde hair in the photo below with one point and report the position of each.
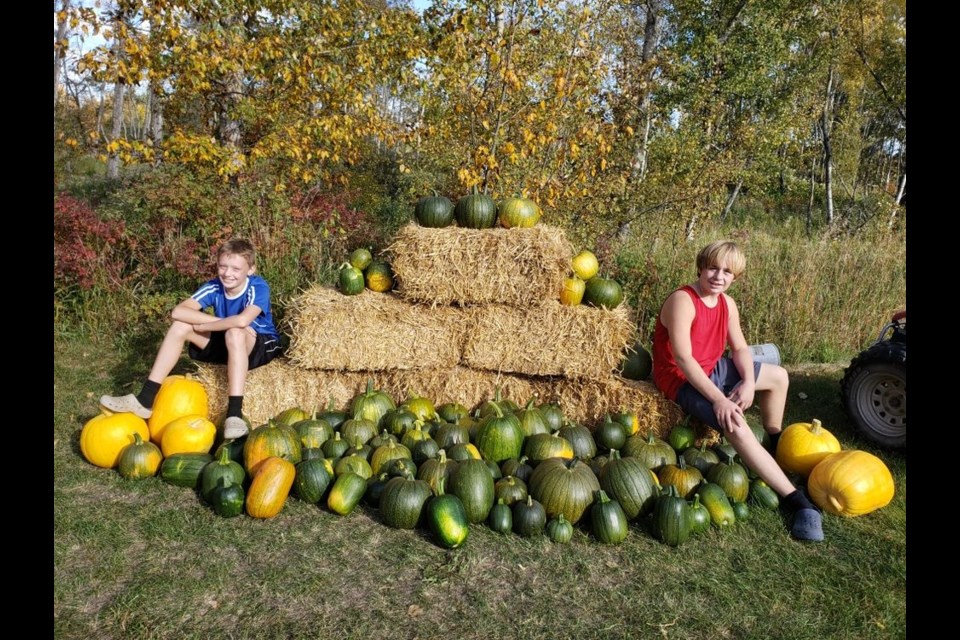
(238, 247)
(722, 252)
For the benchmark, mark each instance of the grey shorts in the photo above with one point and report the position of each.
(726, 377)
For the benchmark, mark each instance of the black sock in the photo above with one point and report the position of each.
(774, 438)
(798, 500)
(148, 393)
(234, 406)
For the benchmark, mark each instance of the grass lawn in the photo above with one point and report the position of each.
(145, 559)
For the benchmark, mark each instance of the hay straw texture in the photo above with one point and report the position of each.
(280, 385)
(371, 332)
(454, 265)
(548, 340)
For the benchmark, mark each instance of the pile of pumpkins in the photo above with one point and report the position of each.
(524, 470)
(363, 271)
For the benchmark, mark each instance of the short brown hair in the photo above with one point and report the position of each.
(238, 247)
(722, 251)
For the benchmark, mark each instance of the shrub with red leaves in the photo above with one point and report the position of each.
(86, 250)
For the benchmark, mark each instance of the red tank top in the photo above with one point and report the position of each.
(708, 336)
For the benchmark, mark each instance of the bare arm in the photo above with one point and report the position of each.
(189, 312)
(743, 395)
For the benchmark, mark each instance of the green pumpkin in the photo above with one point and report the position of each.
(581, 439)
(140, 459)
(510, 489)
(701, 458)
(553, 414)
(699, 516)
(518, 212)
(434, 211)
(222, 469)
(500, 436)
(713, 497)
(402, 502)
(517, 467)
(335, 447)
(476, 211)
(762, 495)
(732, 477)
(311, 480)
(500, 518)
(607, 520)
(532, 420)
(371, 404)
(350, 280)
(636, 364)
(451, 433)
(681, 436)
(332, 416)
(435, 469)
(227, 500)
(741, 510)
(184, 469)
(375, 485)
(671, 518)
(452, 411)
(472, 483)
(564, 486)
(387, 452)
(358, 429)
(603, 292)
(628, 481)
(609, 434)
(446, 519)
(529, 518)
(559, 530)
(345, 494)
(313, 432)
(651, 451)
(398, 421)
(544, 446)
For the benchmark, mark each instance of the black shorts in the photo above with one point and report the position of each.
(265, 349)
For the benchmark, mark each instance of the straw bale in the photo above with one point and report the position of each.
(454, 265)
(280, 385)
(371, 332)
(549, 340)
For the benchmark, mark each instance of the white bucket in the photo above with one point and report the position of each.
(767, 352)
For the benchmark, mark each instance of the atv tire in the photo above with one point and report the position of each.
(874, 393)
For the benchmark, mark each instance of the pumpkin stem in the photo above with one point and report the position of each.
(815, 426)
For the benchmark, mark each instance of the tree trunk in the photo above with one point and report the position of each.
(60, 50)
(651, 39)
(730, 200)
(113, 163)
(813, 189)
(826, 123)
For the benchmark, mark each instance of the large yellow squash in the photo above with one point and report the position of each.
(103, 437)
(851, 483)
(802, 445)
(178, 396)
(188, 434)
(270, 487)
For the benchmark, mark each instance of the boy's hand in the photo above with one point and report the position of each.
(742, 396)
(728, 413)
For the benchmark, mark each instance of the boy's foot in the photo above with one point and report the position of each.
(807, 525)
(234, 427)
(126, 404)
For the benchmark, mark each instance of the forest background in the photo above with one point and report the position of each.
(644, 129)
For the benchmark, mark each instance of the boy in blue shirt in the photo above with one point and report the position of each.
(239, 334)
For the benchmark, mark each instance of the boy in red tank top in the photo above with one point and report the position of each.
(695, 325)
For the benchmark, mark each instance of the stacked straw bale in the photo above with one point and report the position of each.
(371, 332)
(474, 310)
(520, 266)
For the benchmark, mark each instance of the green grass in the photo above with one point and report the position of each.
(144, 559)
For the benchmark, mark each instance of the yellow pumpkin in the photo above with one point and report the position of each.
(802, 445)
(572, 292)
(851, 483)
(178, 396)
(188, 434)
(105, 436)
(585, 265)
(270, 487)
